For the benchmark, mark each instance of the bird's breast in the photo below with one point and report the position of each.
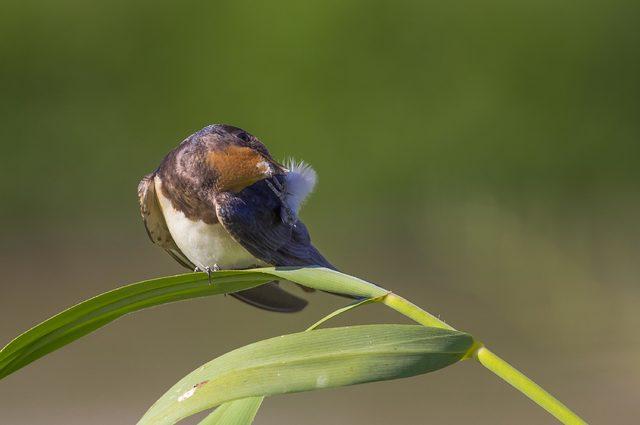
(202, 243)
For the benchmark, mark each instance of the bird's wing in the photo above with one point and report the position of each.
(268, 296)
(254, 218)
(154, 221)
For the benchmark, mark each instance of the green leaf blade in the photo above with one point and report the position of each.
(306, 361)
(96, 312)
(327, 280)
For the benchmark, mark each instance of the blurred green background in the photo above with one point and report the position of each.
(480, 158)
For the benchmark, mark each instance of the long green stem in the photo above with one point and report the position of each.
(526, 386)
(491, 361)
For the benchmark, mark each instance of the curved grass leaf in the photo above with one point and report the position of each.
(237, 412)
(339, 311)
(306, 361)
(233, 412)
(96, 312)
(323, 279)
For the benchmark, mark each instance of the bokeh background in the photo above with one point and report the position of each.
(480, 158)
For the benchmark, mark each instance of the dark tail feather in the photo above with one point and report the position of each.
(272, 298)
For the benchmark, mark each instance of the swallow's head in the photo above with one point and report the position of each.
(236, 158)
(223, 158)
(240, 160)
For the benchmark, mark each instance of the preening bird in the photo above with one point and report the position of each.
(220, 201)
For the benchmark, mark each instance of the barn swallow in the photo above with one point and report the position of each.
(220, 201)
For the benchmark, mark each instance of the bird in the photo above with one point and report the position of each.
(220, 201)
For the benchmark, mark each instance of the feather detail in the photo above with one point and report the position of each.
(299, 183)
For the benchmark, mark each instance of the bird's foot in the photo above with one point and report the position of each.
(277, 188)
(280, 190)
(281, 187)
(208, 270)
(288, 216)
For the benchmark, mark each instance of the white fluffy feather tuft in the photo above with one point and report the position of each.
(300, 181)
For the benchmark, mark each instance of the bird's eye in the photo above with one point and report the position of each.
(243, 136)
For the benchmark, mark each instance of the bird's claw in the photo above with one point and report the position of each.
(279, 191)
(279, 185)
(208, 270)
(288, 216)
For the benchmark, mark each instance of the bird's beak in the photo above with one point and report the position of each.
(274, 168)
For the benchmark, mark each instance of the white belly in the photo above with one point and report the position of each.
(205, 245)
